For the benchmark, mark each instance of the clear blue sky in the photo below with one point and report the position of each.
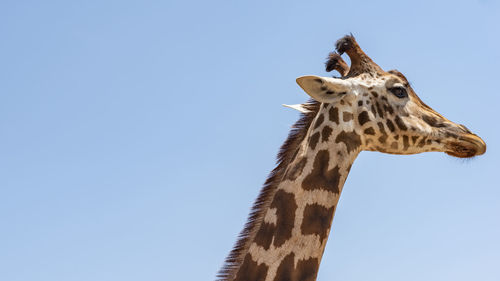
(135, 135)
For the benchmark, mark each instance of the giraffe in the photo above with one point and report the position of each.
(366, 109)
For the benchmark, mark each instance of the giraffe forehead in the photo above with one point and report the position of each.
(365, 81)
(379, 80)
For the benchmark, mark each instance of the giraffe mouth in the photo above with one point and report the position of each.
(466, 147)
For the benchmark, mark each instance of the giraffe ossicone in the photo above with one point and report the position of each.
(367, 108)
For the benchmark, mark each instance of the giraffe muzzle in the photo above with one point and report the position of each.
(466, 146)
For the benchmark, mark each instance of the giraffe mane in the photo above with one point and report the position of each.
(286, 154)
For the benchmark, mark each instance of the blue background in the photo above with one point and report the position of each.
(135, 135)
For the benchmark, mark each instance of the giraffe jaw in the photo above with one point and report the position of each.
(466, 146)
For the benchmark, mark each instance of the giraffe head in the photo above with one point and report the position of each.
(382, 109)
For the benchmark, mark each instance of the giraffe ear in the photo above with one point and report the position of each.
(324, 89)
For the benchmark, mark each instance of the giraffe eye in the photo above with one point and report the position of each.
(399, 92)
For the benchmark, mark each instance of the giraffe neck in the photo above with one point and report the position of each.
(290, 239)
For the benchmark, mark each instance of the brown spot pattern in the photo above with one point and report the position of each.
(319, 121)
(369, 131)
(390, 125)
(306, 270)
(388, 108)
(346, 116)
(432, 121)
(313, 141)
(400, 123)
(325, 133)
(383, 136)
(351, 140)
(317, 220)
(406, 142)
(251, 271)
(321, 177)
(296, 169)
(363, 118)
(333, 115)
(285, 206)
(265, 235)
(379, 110)
(394, 145)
